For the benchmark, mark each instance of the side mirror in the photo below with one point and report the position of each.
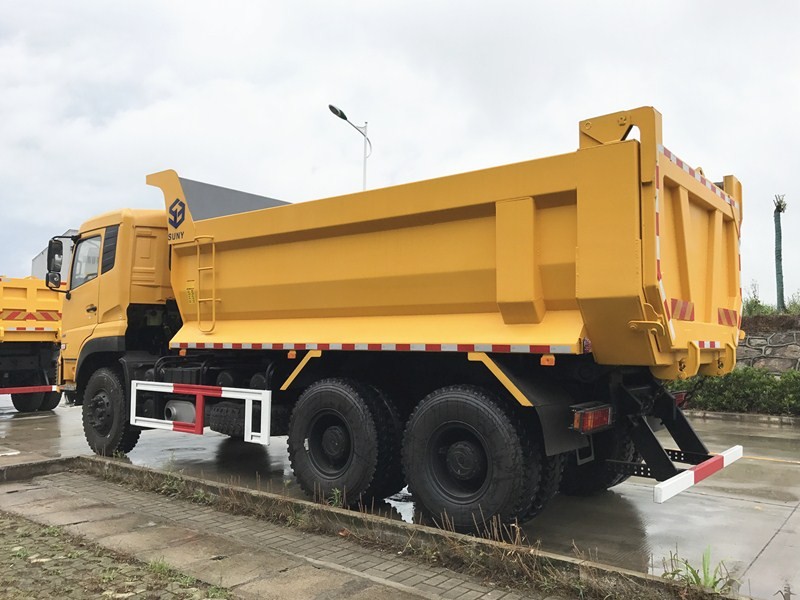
(55, 257)
(53, 279)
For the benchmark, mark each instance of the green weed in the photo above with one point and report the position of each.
(717, 579)
(160, 567)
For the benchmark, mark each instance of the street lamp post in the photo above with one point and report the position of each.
(362, 130)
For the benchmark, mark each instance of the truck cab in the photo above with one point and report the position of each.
(117, 297)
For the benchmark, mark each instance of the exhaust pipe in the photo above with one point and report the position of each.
(179, 410)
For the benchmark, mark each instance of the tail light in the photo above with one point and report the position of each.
(592, 417)
(680, 398)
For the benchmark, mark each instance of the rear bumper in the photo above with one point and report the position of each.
(684, 480)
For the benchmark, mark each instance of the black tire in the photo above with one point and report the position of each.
(50, 401)
(334, 441)
(469, 459)
(596, 476)
(26, 403)
(106, 424)
(389, 478)
(552, 468)
(227, 418)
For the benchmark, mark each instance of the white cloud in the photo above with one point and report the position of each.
(97, 95)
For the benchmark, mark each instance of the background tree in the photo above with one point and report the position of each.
(780, 207)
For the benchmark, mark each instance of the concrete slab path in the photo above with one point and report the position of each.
(250, 557)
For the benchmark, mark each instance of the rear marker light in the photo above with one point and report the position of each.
(547, 360)
(588, 419)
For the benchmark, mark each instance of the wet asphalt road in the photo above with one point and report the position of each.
(748, 515)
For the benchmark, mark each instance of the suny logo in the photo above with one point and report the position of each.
(177, 213)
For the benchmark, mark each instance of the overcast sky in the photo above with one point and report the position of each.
(95, 95)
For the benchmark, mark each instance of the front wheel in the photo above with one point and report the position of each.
(105, 415)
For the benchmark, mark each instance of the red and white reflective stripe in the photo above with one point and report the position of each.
(30, 329)
(708, 345)
(11, 314)
(31, 389)
(201, 392)
(506, 348)
(682, 310)
(698, 176)
(726, 316)
(683, 481)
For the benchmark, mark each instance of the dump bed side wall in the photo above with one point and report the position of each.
(479, 259)
(564, 254)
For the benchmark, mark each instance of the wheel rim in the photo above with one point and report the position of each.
(458, 462)
(101, 415)
(329, 444)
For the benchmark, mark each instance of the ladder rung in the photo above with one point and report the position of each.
(205, 268)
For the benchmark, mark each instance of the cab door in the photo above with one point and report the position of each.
(79, 317)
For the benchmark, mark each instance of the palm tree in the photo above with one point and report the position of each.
(780, 207)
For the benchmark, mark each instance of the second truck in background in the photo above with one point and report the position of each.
(30, 330)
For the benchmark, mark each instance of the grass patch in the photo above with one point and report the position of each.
(716, 579)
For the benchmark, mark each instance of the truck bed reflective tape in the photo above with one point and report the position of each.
(201, 392)
(708, 345)
(11, 314)
(31, 389)
(698, 176)
(500, 348)
(683, 481)
(682, 310)
(726, 316)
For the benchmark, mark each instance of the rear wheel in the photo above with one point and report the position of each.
(50, 401)
(469, 459)
(597, 476)
(388, 479)
(552, 468)
(335, 440)
(105, 415)
(27, 402)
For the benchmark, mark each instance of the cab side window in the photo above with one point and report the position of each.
(86, 262)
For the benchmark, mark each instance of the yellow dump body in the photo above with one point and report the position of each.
(618, 248)
(29, 311)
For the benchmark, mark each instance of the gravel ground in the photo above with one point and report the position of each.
(44, 562)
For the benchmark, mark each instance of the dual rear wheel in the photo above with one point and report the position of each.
(38, 400)
(465, 454)
(344, 441)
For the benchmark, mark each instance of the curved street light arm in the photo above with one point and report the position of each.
(362, 132)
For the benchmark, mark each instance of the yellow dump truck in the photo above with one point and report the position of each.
(488, 338)
(30, 328)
